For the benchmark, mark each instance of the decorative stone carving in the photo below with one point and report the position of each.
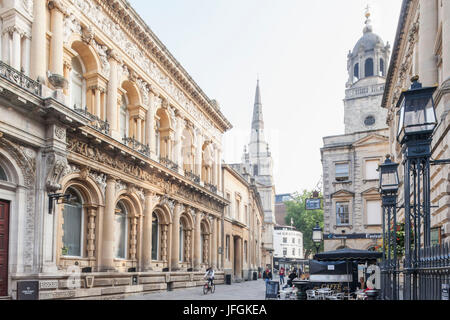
(100, 179)
(60, 133)
(56, 164)
(120, 185)
(27, 5)
(88, 34)
(71, 25)
(70, 168)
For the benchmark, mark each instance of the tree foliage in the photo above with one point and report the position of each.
(304, 220)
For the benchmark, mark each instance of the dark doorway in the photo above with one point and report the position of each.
(4, 233)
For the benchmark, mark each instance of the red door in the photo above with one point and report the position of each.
(4, 224)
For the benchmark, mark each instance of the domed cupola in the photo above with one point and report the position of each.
(369, 57)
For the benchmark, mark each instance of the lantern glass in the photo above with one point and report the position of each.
(417, 114)
(389, 181)
(317, 234)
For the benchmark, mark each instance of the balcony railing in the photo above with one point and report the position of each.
(211, 187)
(168, 163)
(364, 91)
(18, 78)
(137, 146)
(94, 121)
(190, 175)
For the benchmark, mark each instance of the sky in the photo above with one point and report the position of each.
(298, 50)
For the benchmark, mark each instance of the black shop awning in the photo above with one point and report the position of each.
(348, 254)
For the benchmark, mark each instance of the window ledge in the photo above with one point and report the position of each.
(342, 182)
(370, 180)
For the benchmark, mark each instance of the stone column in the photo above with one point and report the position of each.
(178, 159)
(198, 155)
(428, 26)
(139, 129)
(57, 12)
(174, 260)
(133, 237)
(5, 47)
(150, 119)
(150, 202)
(108, 226)
(16, 52)
(26, 54)
(111, 99)
(214, 242)
(197, 239)
(98, 102)
(38, 40)
(445, 39)
(219, 170)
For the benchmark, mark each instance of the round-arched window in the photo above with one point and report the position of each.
(368, 67)
(369, 121)
(120, 231)
(72, 225)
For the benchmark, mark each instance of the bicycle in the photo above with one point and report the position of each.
(207, 287)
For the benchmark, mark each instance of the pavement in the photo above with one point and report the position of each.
(246, 290)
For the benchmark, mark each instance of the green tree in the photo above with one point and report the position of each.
(304, 220)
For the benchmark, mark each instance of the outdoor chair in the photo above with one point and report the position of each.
(311, 295)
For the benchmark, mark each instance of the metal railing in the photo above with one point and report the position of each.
(9, 73)
(94, 121)
(190, 175)
(137, 146)
(429, 273)
(168, 163)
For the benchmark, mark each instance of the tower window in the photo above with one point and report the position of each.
(356, 71)
(381, 67)
(368, 67)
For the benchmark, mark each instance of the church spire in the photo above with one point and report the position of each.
(257, 122)
(257, 144)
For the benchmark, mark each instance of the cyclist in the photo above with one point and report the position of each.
(209, 275)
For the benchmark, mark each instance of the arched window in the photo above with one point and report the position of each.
(124, 117)
(368, 67)
(356, 71)
(381, 67)
(120, 231)
(155, 230)
(73, 225)
(77, 84)
(3, 175)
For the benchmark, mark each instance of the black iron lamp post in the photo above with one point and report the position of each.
(317, 236)
(415, 129)
(388, 189)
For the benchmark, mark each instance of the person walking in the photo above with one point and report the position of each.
(281, 275)
(291, 277)
(267, 275)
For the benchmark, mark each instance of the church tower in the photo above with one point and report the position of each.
(367, 67)
(257, 162)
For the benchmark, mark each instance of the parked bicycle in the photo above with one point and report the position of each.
(207, 287)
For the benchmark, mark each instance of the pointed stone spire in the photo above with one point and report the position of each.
(257, 122)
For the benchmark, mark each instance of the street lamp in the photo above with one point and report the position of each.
(317, 236)
(388, 189)
(415, 129)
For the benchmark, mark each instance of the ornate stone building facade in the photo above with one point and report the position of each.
(422, 47)
(95, 108)
(243, 221)
(352, 204)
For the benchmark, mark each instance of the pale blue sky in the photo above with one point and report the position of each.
(298, 48)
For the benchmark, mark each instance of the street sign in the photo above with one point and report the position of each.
(313, 203)
(445, 291)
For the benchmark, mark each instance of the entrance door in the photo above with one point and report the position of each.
(4, 232)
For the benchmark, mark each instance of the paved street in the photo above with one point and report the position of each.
(247, 290)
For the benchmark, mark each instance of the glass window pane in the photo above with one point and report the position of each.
(72, 227)
(155, 237)
(3, 175)
(342, 170)
(120, 232)
(342, 214)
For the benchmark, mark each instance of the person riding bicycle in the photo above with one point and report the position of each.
(209, 275)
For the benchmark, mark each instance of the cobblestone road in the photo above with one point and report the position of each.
(247, 290)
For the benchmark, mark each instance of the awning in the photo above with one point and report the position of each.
(348, 254)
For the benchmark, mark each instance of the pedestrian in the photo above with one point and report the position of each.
(291, 277)
(268, 275)
(281, 275)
